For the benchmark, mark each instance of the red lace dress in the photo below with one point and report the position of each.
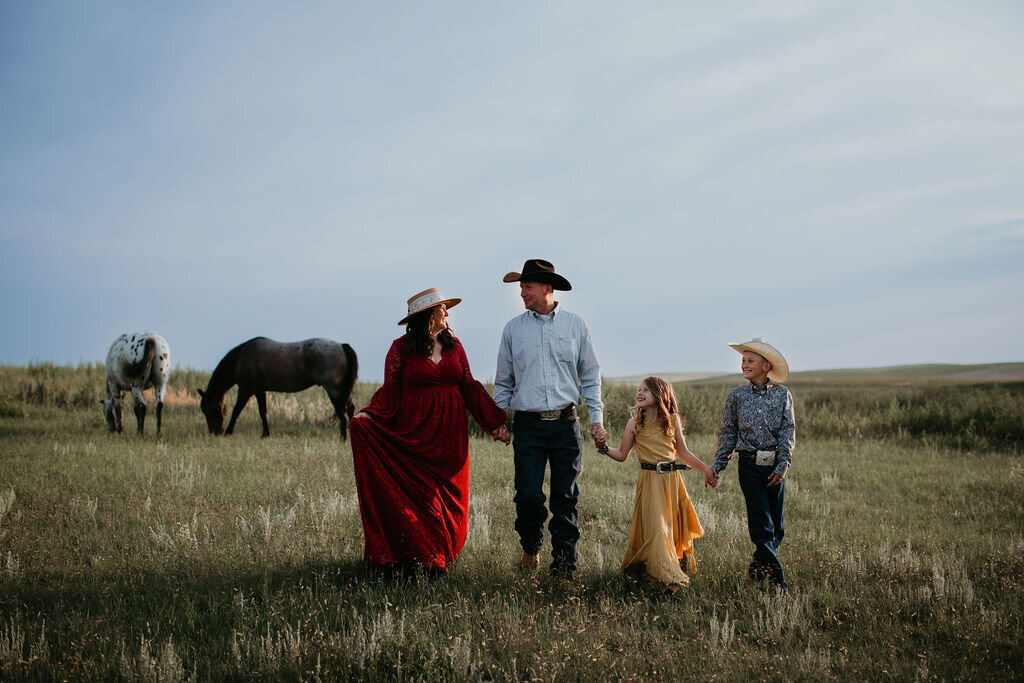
(412, 457)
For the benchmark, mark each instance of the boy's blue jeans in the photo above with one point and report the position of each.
(764, 519)
(536, 444)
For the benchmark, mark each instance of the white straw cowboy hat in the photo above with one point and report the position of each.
(780, 368)
(428, 298)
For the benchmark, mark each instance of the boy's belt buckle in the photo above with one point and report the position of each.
(764, 458)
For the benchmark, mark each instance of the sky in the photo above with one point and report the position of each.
(843, 179)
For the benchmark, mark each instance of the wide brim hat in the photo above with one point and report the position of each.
(428, 298)
(780, 368)
(539, 270)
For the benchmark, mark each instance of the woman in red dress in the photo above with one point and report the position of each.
(410, 446)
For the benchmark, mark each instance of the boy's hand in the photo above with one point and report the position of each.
(774, 479)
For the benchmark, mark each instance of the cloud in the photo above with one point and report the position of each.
(817, 173)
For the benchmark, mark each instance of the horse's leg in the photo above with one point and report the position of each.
(350, 411)
(160, 393)
(261, 401)
(340, 409)
(140, 407)
(243, 398)
(115, 409)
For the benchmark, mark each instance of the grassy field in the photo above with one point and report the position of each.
(895, 374)
(191, 557)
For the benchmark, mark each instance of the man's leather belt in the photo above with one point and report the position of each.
(550, 415)
(664, 467)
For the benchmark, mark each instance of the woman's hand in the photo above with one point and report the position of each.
(360, 416)
(501, 434)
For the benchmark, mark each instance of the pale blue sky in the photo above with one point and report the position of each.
(845, 179)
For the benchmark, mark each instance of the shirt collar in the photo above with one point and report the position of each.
(549, 316)
(763, 390)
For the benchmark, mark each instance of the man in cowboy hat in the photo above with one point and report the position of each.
(546, 366)
(758, 425)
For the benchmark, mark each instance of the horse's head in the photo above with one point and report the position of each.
(213, 411)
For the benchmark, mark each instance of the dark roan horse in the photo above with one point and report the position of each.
(261, 365)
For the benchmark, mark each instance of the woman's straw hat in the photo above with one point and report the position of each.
(428, 298)
(780, 368)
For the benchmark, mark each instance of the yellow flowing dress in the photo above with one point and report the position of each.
(664, 520)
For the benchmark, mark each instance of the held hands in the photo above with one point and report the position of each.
(501, 434)
(599, 435)
(710, 478)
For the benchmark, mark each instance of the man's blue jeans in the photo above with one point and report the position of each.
(536, 444)
(764, 519)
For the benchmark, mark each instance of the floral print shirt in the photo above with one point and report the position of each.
(757, 420)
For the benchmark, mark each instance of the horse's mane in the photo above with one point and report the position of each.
(223, 376)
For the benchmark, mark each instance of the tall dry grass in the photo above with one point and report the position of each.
(192, 557)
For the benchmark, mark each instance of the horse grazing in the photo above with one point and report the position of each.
(136, 362)
(261, 365)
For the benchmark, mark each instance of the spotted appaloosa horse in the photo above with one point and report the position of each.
(261, 365)
(136, 362)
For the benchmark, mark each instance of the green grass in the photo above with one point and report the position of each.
(203, 558)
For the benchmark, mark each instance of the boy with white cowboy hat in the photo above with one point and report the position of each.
(546, 367)
(758, 425)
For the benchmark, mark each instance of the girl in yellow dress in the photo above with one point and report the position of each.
(664, 521)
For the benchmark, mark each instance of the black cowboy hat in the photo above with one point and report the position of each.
(539, 270)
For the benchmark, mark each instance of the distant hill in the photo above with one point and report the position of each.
(988, 372)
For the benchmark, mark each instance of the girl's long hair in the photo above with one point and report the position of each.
(664, 403)
(417, 334)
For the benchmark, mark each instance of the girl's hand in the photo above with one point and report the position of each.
(710, 478)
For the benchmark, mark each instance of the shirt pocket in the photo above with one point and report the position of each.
(523, 353)
(567, 350)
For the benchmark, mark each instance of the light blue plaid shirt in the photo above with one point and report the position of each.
(547, 362)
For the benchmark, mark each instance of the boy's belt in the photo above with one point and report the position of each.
(663, 467)
(752, 455)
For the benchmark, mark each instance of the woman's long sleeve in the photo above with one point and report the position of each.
(384, 404)
(480, 404)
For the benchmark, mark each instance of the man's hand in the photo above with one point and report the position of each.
(598, 434)
(501, 434)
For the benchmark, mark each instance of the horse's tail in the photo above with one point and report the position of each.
(348, 382)
(145, 364)
(353, 369)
